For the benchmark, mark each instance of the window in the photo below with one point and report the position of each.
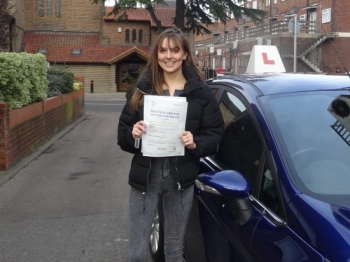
(42, 51)
(140, 36)
(41, 8)
(58, 8)
(127, 36)
(302, 17)
(49, 7)
(76, 52)
(240, 148)
(134, 36)
(267, 2)
(313, 22)
(275, 1)
(302, 20)
(326, 15)
(268, 190)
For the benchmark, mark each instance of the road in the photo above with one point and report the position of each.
(71, 202)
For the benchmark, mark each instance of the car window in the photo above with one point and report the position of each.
(268, 190)
(240, 147)
(316, 152)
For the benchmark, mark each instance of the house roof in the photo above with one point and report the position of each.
(165, 15)
(59, 46)
(121, 56)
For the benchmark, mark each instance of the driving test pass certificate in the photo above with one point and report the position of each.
(165, 117)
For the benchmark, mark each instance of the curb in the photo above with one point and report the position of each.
(13, 171)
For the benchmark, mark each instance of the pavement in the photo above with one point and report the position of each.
(120, 96)
(89, 97)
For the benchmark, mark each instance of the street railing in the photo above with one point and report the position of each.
(275, 28)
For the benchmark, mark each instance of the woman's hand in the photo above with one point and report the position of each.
(138, 129)
(187, 139)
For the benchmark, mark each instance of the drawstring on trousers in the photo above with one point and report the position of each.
(144, 205)
(182, 204)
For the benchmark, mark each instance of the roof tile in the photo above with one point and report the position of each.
(59, 47)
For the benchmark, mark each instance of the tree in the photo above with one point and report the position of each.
(5, 20)
(194, 15)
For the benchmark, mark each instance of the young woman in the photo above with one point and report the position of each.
(169, 72)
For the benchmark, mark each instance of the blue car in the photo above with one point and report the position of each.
(278, 188)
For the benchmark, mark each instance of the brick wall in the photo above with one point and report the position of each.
(103, 76)
(77, 15)
(340, 16)
(25, 129)
(330, 60)
(111, 35)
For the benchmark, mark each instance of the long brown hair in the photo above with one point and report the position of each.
(179, 39)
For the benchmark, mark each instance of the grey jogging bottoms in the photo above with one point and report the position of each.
(176, 208)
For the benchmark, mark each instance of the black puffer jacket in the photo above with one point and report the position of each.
(204, 121)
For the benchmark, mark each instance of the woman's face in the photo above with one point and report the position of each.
(170, 57)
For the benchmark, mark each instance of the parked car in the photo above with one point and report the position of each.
(278, 188)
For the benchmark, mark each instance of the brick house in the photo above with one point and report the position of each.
(83, 38)
(324, 28)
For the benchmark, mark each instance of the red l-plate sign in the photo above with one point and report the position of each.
(266, 60)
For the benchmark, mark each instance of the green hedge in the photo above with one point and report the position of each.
(23, 78)
(60, 81)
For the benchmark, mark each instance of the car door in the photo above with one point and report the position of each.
(241, 150)
(273, 239)
(266, 235)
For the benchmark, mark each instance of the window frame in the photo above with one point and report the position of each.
(326, 17)
(127, 36)
(49, 8)
(133, 36)
(140, 36)
(265, 157)
(57, 8)
(41, 8)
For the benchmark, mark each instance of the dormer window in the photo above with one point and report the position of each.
(42, 51)
(76, 52)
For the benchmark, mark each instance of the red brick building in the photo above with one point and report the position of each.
(324, 24)
(83, 38)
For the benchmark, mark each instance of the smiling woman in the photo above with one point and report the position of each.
(169, 179)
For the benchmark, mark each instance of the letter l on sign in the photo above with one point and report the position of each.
(266, 60)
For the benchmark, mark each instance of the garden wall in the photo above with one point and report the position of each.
(25, 129)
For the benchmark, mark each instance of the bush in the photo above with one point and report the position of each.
(22, 78)
(60, 81)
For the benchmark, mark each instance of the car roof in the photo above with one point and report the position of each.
(285, 83)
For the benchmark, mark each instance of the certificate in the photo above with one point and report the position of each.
(165, 117)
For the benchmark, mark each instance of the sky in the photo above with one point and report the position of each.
(109, 2)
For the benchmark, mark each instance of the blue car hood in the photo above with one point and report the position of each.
(324, 226)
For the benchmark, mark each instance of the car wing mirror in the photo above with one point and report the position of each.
(232, 187)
